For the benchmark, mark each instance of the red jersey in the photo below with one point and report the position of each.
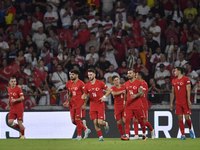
(77, 90)
(132, 88)
(96, 92)
(144, 98)
(180, 89)
(119, 99)
(84, 36)
(68, 87)
(15, 94)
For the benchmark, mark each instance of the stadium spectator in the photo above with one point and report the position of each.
(35, 59)
(153, 91)
(128, 25)
(39, 14)
(84, 34)
(92, 54)
(139, 66)
(94, 23)
(173, 55)
(190, 43)
(172, 31)
(120, 20)
(108, 76)
(28, 55)
(20, 57)
(69, 64)
(143, 9)
(17, 33)
(5, 37)
(92, 12)
(22, 85)
(22, 12)
(41, 66)
(13, 54)
(59, 78)
(163, 61)
(122, 80)
(36, 24)
(27, 69)
(3, 9)
(158, 8)
(10, 13)
(21, 73)
(77, 23)
(29, 43)
(107, 8)
(191, 23)
(196, 90)
(107, 24)
(119, 33)
(145, 25)
(54, 4)
(80, 60)
(54, 65)
(131, 56)
(168, 6)
(145, 55)
(181, 62)
(123, 69)
(176, 14)
(194, 57)
(156, 31)
(110, 53)
(45, 97)
(191, 74)
(197, 40)
(3, 46)
(120, 10)
(151, 43)
(135, 4)
(103, 64)
(190, 10)
(54, 42)
(155, 58)
(39, 39)
(93, 42)
(50, 17)
(160, 75)
(166, 89)
(66, 15)
(184, 36)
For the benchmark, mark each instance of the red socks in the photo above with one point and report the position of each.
(181, 126)
(189, 123)
(135, 123)
(16, 126)
(79, 127)
(142, 126)
(120, 127)
(22, 132)
(99, 133)
(149, 126)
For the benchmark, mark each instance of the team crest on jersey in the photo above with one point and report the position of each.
(134, 87)
(14, 94)
(97, 89)
(181, 83)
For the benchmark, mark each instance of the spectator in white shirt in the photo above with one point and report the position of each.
(78, 21)
(155, 58)
(45, 98)
(156, 31)
(28, 55)
(143, 9)
(54, 42)
(59, 78)
(108, 24)
(181, 62)
(191, 74)
(120, 10)
(39, 38)
(190, 44)
(163, 61)
(120, 19)
(36, 24)
(108, 76)
(50, 17)
(145, 25)
(22, 85)
(173, 54)
(54, 4)
(107, 8)
(66, 15)
(110, 53)
(92, 54)
(94, 23)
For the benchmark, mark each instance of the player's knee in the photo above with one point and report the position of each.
(100, 122)
(119, 121)
(180, 117)
(187, 117)
(11, 122)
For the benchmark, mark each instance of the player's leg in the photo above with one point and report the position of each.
(179, 112)
(22, 129)
(189, 123)
(135, 123)
(101, 118)
(83, 121)
(11, 117)
(127, 124)
(139, 113)
(148, 124)
(118, 118)
(98, 129)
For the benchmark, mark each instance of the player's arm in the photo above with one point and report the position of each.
(85, 102)
(18, 99)
(117, 93)
(188, 89)
(125, 98)
(140, 92)
(102, 99)
(172, 99)
(69, 96)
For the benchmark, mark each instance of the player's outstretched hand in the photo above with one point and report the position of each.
(171, 107)
(66, 104)
(84, 96)
(189, 104)
(7, 107)
(133, 96)
(83, 106)
(102, 99)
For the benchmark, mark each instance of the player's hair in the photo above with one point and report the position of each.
(113, 78)
(131, 69)
(181, 69)
(140, 73)
(12, 78)
(92, 70)
(75, 71)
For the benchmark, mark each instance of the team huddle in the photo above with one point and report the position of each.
(130, 102)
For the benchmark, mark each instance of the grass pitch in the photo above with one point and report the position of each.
(94, 144)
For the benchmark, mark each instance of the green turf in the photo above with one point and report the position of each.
(94, 144)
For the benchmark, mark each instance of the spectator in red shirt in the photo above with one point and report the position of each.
(84, 34)
(139, 66)
(22, 74)
(194, 57)
(172, 31)
(27, 25)
(122, 71)
(38, 14)
(184, 36)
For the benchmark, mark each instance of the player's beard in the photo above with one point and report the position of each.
(73, 79)
(130, 78)
(91, 79)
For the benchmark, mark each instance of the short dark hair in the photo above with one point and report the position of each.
(140, 73)
(75, 71)
(197, 33)
(181, 69)
(19, 78)
(113, 78)
(93, 33)
(97, 14)
(131, 69)
(91, 47)
(12, 78)
(92, 70)
(167, 77)
(50, 6)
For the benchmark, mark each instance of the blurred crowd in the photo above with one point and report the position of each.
(169, 31)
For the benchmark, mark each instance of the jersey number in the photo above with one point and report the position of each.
(131, 92)
(74, 93)
(178, 87)
(94, 94)
(121, 95)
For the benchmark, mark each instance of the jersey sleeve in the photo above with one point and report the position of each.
(86, 89)
(103, 85)
(173, 83)
(20, 93)
(82, 86)
(187, 81)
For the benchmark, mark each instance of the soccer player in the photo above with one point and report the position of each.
(76, 91)
(118, 92)
(97, 105)
(140, 77)
(181, 89)
(134, 106)
(16, 110)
